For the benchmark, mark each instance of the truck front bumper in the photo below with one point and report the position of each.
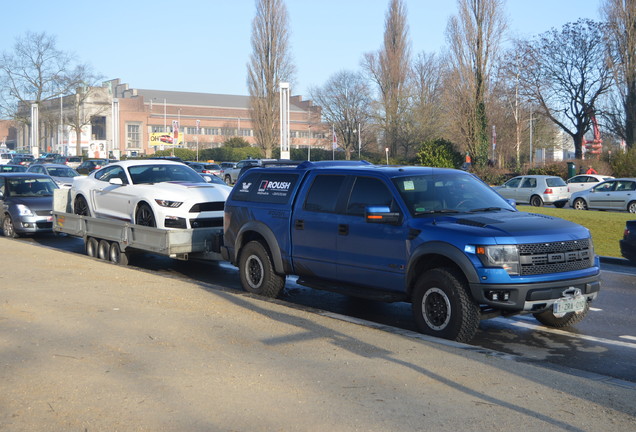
(532, 297)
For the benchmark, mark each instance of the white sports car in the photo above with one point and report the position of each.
(157, 193)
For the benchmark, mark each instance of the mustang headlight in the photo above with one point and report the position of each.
(24, 210)
(502, 256)
(166, 203)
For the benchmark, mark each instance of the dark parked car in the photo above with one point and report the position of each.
(90, 165)
(628, 243)
(27, 203)
(12, 168)
(22, 160)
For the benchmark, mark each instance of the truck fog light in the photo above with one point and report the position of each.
(498, 295)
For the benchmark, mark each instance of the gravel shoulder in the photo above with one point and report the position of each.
(89, 346)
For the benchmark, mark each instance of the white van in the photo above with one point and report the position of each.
(5, 158)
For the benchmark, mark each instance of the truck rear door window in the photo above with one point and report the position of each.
(323, 195)
(275, 188)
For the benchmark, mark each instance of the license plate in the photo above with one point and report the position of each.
(569, 304)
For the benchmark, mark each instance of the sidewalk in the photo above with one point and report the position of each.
(90, 346)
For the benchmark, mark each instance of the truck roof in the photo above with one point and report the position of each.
(388, 170)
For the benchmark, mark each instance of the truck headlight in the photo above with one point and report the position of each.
(166, 203)
(24, 210)
(502, 256)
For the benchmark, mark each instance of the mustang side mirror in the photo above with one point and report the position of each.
(116, 181)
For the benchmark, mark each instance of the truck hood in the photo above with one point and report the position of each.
(513, 227)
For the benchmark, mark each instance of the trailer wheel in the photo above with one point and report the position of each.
(257, 272)
(117, 256)
(103, 250)
(442, 306)
(91, 247)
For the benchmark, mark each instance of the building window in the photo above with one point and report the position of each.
(98, 127)
(133, 136)
(157, 129)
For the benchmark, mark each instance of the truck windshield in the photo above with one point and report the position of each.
(448, 193)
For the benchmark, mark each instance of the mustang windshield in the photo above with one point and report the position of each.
(163, 173)
(448, 193)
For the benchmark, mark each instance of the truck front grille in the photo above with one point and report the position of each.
(542, 258)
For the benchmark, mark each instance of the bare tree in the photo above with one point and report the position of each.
(35, 72)
(620, 16)
(270, 63)
(389, 68)
(426, 84)
(474, 37)
(345, 100)
(565, 73)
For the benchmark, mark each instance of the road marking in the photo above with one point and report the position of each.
(628, 337)
(517, 323)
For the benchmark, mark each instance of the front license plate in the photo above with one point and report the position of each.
(569, 304)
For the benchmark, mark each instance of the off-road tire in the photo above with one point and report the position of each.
(547, 318)
(257, 271)
(442, 306)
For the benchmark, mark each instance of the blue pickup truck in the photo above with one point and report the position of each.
(438, 238)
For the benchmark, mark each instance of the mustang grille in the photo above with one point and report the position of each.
(208, 206)
(542, 258)
(206, 222)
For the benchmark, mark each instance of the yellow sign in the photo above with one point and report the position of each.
(165, 139)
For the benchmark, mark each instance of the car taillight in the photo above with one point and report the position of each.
(626, 233)
(548, 191)
(207, 171)
(97, 167)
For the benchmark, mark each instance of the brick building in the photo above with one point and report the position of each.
(121, 120)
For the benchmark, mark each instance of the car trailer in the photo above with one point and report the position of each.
(117, 241)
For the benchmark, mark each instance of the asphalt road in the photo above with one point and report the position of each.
(603, 344)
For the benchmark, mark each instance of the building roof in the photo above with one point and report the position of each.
(197, 99)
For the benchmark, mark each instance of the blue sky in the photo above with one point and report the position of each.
(204, 45)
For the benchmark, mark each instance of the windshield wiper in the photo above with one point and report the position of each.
(441, 211)
(487, 209)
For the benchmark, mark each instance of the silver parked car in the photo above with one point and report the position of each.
(615, 194)
(536, 190)
(585, 181)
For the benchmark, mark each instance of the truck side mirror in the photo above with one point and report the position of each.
(382, 215)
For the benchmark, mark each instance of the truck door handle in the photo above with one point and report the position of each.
(343, 229)
(299, 224)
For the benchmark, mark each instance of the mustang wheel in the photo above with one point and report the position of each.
(80, 207)
(144, 216)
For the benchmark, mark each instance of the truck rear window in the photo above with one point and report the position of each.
(257, 186)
